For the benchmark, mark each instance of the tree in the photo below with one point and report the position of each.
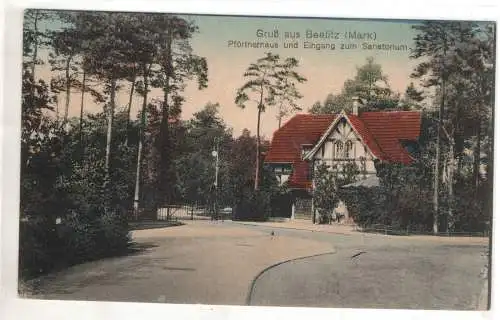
(142, 34)
(178, 64)
(286, 89)
(269, 80)
(34, 38)
(205, 132)
(107, 60)
(370, 86)
(413, 98)
(433, 41)
(36, 95)
(242, 164)
(454, 59)
(325, 196)
(67, 43)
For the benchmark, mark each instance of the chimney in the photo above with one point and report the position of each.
(355, 106)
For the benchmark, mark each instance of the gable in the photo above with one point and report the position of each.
(381, 132)
(344, 128)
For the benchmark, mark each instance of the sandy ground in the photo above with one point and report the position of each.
(207, 263)
(404, 277)
(307, 225)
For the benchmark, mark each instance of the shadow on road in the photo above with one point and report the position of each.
(143, 225)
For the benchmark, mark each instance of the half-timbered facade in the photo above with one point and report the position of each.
(307, 140)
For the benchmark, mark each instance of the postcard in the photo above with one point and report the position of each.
(175, 158)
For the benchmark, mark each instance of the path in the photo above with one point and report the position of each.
(215, 263)
(202, 262)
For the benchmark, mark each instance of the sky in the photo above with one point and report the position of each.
(325, 69)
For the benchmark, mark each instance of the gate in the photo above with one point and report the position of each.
(303, 208)
(188, 212)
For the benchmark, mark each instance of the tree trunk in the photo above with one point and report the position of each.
(110, 116)
(129, 107)
(164, 181)
(257, 157)
(57, 113)
(313, 212)
(139, 150)
(451, 195)
(68, 91)
(35, 47)
(435, 200)
(280, 115)
(477, 157)
(82, 148)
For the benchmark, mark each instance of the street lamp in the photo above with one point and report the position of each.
(215, 154)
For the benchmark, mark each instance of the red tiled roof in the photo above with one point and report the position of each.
(389, 128)
(286, 144)
(382, 132)
(366, 135)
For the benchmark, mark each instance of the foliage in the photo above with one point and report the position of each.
(256, 205)
(286, 93)
(177, 64)
(459, 65)
(270, 81)
(401, 201)
(325, 196)
(366, 206)
(248, 203)
(58, 184)
(205, 133)
(370, 86)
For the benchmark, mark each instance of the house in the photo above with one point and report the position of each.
(307, 140)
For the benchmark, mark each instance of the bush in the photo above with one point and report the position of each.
(281, 203)
(113, 233)
(79, 237)
(403, 200)
(45, 246)
(471, 213)
(366, 206)
(37, 240)
(325, 196)
(253, 206)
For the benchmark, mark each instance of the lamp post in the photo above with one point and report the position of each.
(215, 154)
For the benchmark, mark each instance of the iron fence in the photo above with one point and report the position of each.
(189, 212)
(390, 230)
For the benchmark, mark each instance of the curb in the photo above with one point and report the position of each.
(290, 228)
(252, 284)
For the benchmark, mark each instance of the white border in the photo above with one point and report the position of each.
(13, 308)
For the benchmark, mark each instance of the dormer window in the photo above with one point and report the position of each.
(306, 148)
(411, 147)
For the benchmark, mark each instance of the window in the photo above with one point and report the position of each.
(306, 149)
(411, 147)
(348, 149)
(339, 147)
